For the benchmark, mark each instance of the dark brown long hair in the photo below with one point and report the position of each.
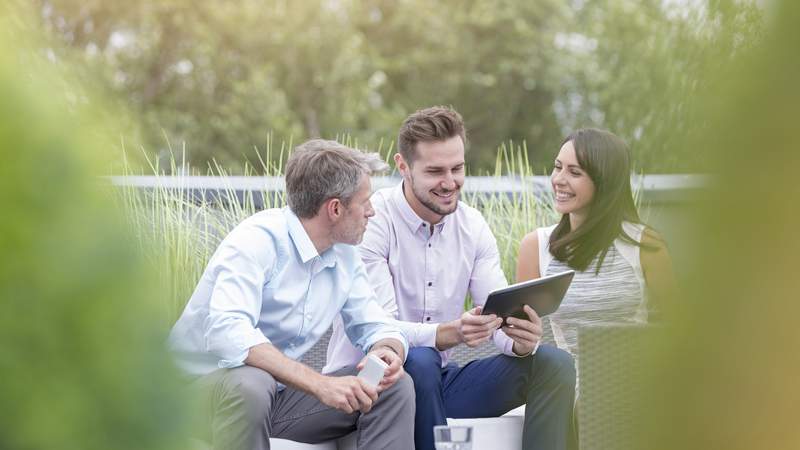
(606, 160)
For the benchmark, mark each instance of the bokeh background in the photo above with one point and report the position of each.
(82, 360)
(694, 86)
(225, 77)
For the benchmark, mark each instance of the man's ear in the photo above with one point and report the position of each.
(334, 209)
(401, 164)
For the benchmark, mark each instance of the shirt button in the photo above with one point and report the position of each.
(428, 319)
(308, 316)
(430, 283)
(429, 245)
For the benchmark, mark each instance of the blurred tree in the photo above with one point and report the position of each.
(221, 75)
(493, 60)
(645, 65)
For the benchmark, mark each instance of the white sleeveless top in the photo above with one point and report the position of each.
(617, 294)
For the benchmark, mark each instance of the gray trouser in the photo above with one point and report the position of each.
(246, 409)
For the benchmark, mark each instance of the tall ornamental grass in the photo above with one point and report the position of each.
(179, 230)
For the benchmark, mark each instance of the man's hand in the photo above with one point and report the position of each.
(392, 373)
(348, 394)
(525, 333)
(477, 329)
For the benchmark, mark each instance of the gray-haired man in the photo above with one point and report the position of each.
(270, 290)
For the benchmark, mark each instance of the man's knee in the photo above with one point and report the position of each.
(424, 367)
(555, 365)
(402, 393)
(247, 390)
(405, 386)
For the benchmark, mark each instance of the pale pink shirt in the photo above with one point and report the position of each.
(420, 277)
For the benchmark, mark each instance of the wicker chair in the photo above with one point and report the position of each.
(612, 365)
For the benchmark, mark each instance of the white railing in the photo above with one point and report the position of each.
(653, 188)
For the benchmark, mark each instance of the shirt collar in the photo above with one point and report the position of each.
(411, 219)
(302, 242)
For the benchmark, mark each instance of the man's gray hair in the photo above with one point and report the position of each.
(319, 170)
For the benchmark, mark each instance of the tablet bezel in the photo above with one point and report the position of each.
(527, 285)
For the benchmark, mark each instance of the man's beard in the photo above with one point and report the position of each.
(428, 202)
(347, 235)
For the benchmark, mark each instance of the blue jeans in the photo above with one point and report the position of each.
(490, 387)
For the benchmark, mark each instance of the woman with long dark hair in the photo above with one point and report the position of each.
(622, 266)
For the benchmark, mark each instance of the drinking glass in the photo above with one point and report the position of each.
(452, 437)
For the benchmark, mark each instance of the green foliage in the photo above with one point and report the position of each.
(221, 75)
(179, 232)
(650, 63)
(83, 363)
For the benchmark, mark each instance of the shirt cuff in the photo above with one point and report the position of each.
(397, 336)
(533, 352)
(426, 335)
(241, 348)
(422, 334)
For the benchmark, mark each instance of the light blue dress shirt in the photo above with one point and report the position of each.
(267, 283)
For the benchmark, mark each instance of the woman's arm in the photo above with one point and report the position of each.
(528, 257)
(657, 269)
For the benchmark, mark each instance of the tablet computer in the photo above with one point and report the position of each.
(544, 295)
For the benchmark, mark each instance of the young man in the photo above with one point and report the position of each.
(270, 290)
(423, 251)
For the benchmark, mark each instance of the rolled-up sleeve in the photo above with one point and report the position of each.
(419, 334)
(365, 322)
(230, 329)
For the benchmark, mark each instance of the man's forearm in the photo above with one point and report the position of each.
(448, 335)
(393, 344)
(286, 370)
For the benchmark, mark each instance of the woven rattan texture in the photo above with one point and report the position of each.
(611, 368)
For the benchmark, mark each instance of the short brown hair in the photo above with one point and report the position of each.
(319, 170)
(434, 124)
